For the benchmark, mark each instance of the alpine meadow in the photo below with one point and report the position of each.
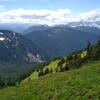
(49, 50)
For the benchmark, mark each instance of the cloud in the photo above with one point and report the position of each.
(34, 16)
(50, 17)
(92, 16)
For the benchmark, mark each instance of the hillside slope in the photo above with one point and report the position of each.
(79, 84)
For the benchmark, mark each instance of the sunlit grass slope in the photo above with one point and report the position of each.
(79, 84)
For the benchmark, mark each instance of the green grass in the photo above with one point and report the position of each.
(34, 75)
(79, 84)
(53, 65)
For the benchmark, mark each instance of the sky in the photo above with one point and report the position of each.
(48, 11)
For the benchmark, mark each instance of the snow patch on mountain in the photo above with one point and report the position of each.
(1, 33)
(2, 38)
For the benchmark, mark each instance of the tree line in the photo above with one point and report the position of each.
(75, 60)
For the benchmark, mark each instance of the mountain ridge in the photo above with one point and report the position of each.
(61, 40)
(15, 47)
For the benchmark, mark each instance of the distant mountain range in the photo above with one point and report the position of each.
(15, 48)
(50, 41)
(89, 29)
(26, 28)
(60, 40)
(14, 27)
(93, 23)
(35, 28)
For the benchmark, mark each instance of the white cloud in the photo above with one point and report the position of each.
(50, 17)
(35, 16)
(92, 16)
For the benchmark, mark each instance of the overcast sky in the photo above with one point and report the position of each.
(48, 11)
